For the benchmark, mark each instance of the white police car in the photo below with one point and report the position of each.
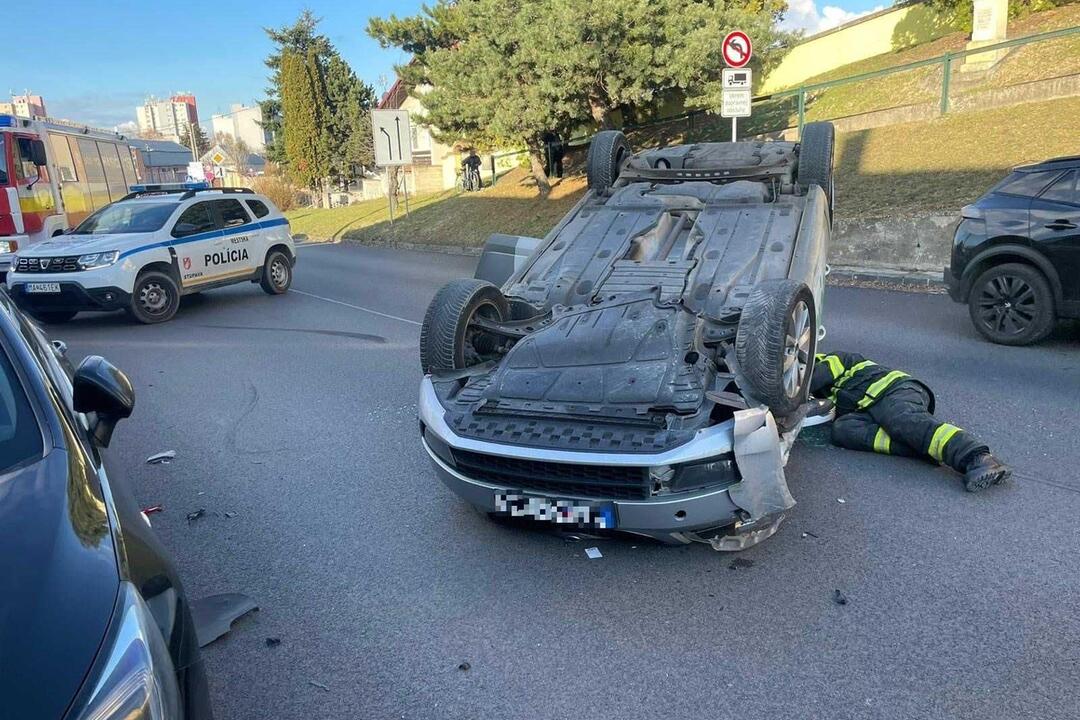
(143, 252)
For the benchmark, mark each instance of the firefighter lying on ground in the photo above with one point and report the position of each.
(890, 412)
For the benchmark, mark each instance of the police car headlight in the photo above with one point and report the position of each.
(98, 260)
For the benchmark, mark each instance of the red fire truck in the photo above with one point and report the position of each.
(52, 175)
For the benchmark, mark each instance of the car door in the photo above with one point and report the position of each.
(196, 239)
(1055, 230)
(239, 253)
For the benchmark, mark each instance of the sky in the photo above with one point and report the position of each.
(94, 61)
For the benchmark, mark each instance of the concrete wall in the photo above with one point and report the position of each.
(900, 26)
(915, 244)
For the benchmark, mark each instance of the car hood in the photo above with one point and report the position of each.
(60, 580)
(81, 244)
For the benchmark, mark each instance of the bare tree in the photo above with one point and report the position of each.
(237, 150)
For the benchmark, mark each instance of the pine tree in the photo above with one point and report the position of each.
(303, 102)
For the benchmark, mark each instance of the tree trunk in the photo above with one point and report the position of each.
(536, 166)
(600, 112)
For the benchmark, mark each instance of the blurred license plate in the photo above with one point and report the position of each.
(42, 287)
(561, 512)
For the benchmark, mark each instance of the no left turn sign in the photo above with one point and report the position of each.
(737, 48)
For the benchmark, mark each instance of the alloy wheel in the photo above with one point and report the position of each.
(1007, 304)
(797, 348)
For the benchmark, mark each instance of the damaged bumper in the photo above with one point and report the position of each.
(645, 491)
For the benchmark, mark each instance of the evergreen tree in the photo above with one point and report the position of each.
(348, 129)
(202, 143)
(303, 104)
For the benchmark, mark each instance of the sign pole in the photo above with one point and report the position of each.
(734, 134)
(405, 190)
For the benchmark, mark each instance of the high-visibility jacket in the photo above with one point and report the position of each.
(854, 383)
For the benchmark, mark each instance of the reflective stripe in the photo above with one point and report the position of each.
(836, 367)
(941, 438)
(879, 386)
(848, 375)
(882, 441)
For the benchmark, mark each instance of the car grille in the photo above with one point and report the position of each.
(599, 481)
(55, 264)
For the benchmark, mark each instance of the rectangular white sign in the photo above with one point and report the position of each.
(735, 103)
(391, 136)
(737, 78)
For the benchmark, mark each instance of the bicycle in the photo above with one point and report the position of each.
(469, 180)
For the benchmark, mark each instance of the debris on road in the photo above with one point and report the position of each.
(839, 598)
(214, 615)
(841, 500)
(153, 509)
(740, 562)
(319, 685)
(464, 667)
(273, 641)
(195, 515)
(807, 533)
(230, 514)
(161, 458)
(593, 553)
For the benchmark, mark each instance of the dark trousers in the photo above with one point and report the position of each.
(900, 423)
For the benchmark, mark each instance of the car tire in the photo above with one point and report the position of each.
(816, 145)
(155, 298)
(1012, 304)
(607, 152)
(54, 317)
(775, 344)
(445, 338)
(276, 274)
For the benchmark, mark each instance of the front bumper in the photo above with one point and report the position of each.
(953, 285)
(745, 507)
(73, 296)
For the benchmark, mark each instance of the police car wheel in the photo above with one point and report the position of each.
(277, 273)
(155, 298)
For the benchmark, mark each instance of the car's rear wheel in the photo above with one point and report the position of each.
(775, 344)
(607, 151)
(54, 317)
(449, 336)
(277, 273)
(1012, 304)
(155, 298)
(816, 144)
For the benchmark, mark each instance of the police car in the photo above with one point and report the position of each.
(145, 251)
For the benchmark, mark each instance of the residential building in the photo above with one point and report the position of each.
(26, 105)
(242, 123)
(169, 118)
(162, 161)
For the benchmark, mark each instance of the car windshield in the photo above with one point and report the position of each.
(3, 163)
(20, 437)
(126, 218)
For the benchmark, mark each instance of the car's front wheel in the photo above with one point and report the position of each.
(277, 273)
(450, 338)
(1012, 304)
(155, 298)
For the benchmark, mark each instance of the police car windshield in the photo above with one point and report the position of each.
(129, 217)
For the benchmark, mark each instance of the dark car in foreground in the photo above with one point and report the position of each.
(1016, 253)
(93, 620)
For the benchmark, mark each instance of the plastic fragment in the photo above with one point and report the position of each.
(841, 500)
(273, 641)
(839, 598)
(464, 667)
(593, 553)
(153, 509)
(161, 458)
(230, 514)
(319, 685)
(195, 515)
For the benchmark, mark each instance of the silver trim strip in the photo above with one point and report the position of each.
(706, 443)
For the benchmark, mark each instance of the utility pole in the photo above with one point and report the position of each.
(194, 145)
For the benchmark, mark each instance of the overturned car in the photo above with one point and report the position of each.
(645, 367)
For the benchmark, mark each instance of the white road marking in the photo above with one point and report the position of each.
(354, 307)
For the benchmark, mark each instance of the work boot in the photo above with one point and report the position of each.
(984, 470)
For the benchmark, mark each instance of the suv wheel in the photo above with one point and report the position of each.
(277, 273)
(607, 151)
(1012, 304)
(775, 344)
(155, 298)
(816, 144)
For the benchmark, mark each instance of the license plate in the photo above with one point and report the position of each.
(42, 287)
(560, 512)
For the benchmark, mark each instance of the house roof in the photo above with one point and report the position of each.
(161, 153)
(392, 99)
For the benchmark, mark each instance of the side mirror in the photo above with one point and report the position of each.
(37, 153)
(99, 387)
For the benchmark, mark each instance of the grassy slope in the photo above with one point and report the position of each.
(450, 218)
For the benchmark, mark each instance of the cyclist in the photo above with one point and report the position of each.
(471, 168)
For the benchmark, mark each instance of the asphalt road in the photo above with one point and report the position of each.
(297, 413)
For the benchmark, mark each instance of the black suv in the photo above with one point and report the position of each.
(1016, 253)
